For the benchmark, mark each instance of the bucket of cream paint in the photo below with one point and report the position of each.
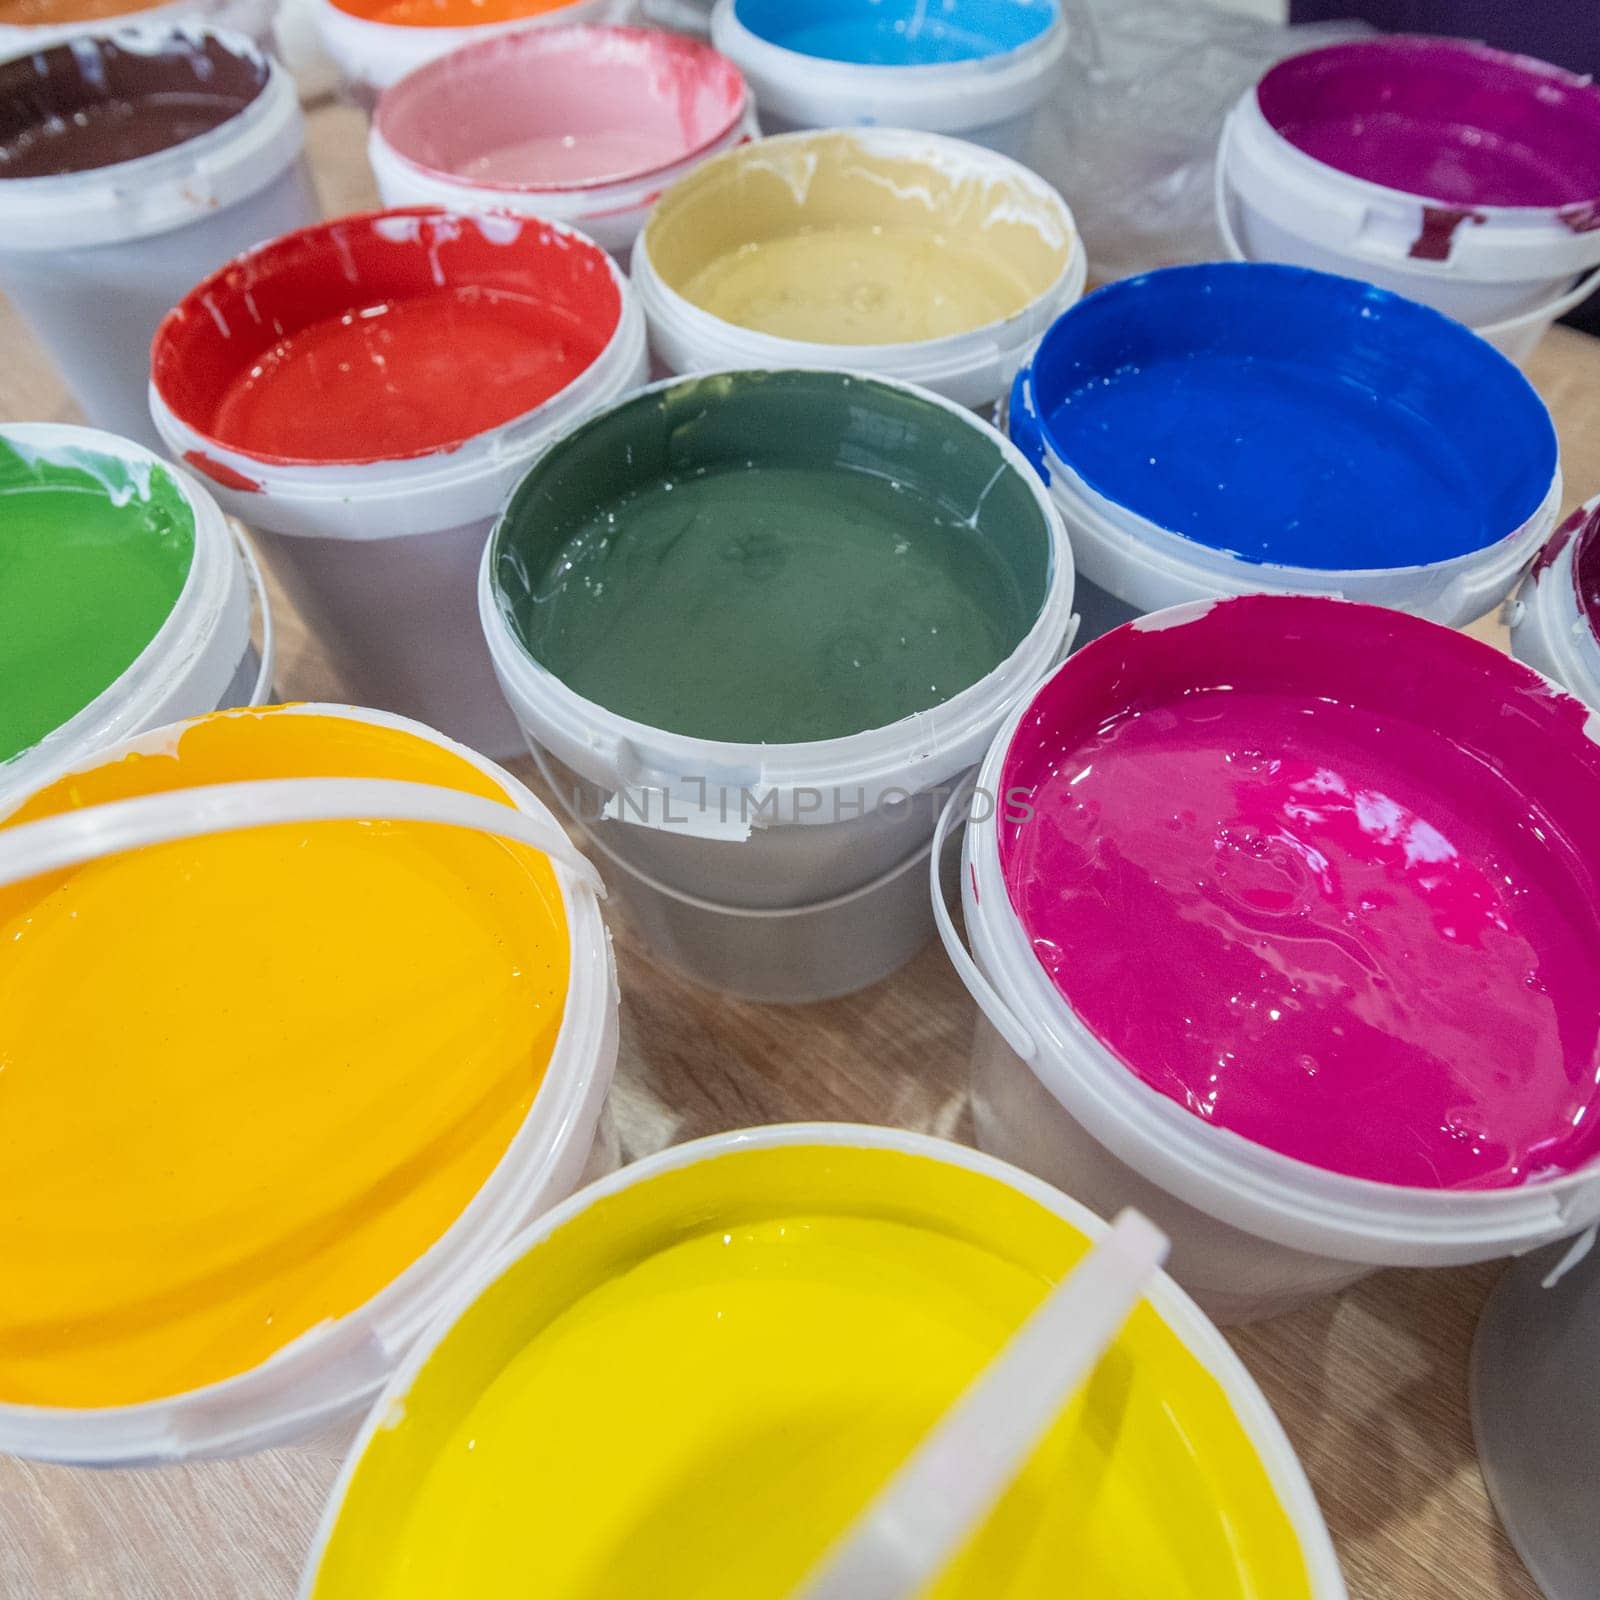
(314, 1010)
(1232, 428)
(905, 255)
(1460, 176)
(29, 25)
(751, 623)
(126, 603)
(1555, 617)
(130, 163)
(772, 1320)
(1286, 932)
(375, 43)
(975, 69)
(583, 125)
(364, 394)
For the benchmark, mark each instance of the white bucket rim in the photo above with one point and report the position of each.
(858, 758)
(1221, 1173)
(614, 190)
(221, 561)
(1178, 1312)
(1564, 642)
(924, 360)
(338, 1365)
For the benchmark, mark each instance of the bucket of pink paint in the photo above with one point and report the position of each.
(583, 125)
(1461, 176)
(131, 161)
(1555, 616)
(1285, 928)
(364, 394)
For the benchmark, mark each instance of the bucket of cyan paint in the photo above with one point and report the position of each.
(1231, 428)
(1461, 176)
(773, 1320)
(585, 125)
(29, 25)
(1555, 616)
(364, 394)
(754, 625)
(308, 1011)
(132, 162)
(1285, 930)
(906, 255)
(975, 69)
(375, 43)
(126, 603)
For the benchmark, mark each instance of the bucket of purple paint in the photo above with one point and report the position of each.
(1555, 616)
(1285, 928)
(1463, 177)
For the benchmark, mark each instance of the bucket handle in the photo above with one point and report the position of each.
(76, 837)
(978, 986)
(262, 691)
(1219, 189)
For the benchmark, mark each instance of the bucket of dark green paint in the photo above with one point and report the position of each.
(756, 626)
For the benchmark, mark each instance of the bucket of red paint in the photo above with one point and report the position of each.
(755, 625)
(584, 125)
(375, 43)
(1464, 177)
(130, 162)
(131, 608)
(1555, 617)
(1285, 929)
(1237, 427)
(364, 393)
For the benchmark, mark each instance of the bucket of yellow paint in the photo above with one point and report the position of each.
(308, 1011)
(902, 254)
(685, 1382)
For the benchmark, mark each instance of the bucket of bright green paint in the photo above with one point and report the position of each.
(125, 599)
(756, 626)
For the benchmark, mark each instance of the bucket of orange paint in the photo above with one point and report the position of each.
(688, 1379)
(377, 42)
(308, 1011)
(365, 394)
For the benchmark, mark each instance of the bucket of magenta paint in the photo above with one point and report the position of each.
(364, 394)
(1284, 930)
(583, 125)
(975, 69)
(782, 1314)
(375, 43)
(1231, 428)
(753, 624)
(1555, 617)
(131, 162)
(905, 255)
(308, 1011)
(1463, 177)
(126, 603)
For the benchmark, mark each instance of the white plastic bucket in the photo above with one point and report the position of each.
(372, 53)
(1506, 270)
(381, 555)
(252, 17)
(670, 102)
(1465, 396)
(811, 183)
(741, 854)
(202, 658)
(715, 1162)
(1551, 627)
(334, 1369)
(898, 64)
(1255, 1233)
(94, 259)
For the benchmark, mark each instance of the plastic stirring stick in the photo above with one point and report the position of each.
(955, 1477)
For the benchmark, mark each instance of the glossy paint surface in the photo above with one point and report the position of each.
(1325, 876)
(899, 33)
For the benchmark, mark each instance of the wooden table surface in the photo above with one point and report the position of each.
(1371, 1386)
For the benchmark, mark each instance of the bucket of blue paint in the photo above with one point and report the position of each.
(1236, 428)
(976, 69)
